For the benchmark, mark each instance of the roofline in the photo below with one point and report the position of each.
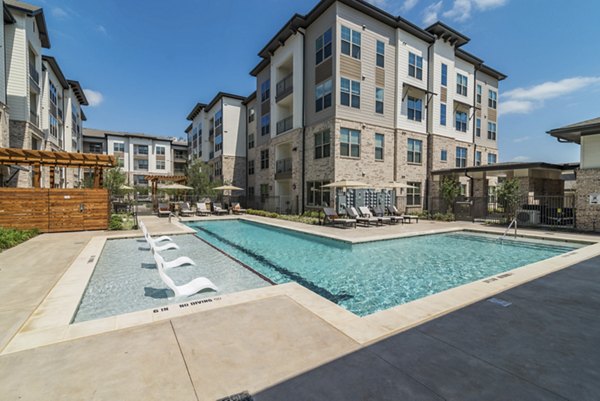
(56, 68)
(197, 109)
(505, 166)
(250, 97)
(477, 62)
(463, 39)
(76, 86)
(188, 129)
(582, 130)
(262, 64)
(41, 22)
(8, 17)
(221, 95)
(83, 117)
(127, 134)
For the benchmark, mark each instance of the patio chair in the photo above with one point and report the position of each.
(191, 288)
(218, 209)
(366, 221)
(237, 209)
(380, 213)
(201, 209)
(180, 261)
(332, 217)
(163, 210)
(186, 209)
(405, 217)
(366, 212)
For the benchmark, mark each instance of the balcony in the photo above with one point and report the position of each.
(60, 114)
(34, 75)
(284, 88)
(33, 118)
(285, 125)
(211, 155)
(211, 133)
(283, 169)
(219, 130)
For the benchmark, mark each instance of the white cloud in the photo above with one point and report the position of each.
(379, 3)
(430, 14)
(525, 100)
(489, 4)
(102, 29)
(521, 139)
(93, 97)
(520, 159)
(60, 13)
(460, 11)
(409, 5)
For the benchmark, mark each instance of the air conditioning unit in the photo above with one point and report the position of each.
(529, 217)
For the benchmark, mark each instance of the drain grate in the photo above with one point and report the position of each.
(91, 259)
(245, 396)
(500, 302)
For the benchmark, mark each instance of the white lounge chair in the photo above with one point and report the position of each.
(180, 261)
(159, 248)
(191, 288)
(201, 209)
(146, 233)
(366, 212)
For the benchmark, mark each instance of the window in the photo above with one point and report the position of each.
(379, 140)
(323, 47)
(316, 194)
(94, 148)
(444, 155)
(478, 127)
(478, 158)
(478, 94)
(53, 126)
(251, 192)
(120, 162)
(251, 115)
(119, 147)
(349, 142)
(442, 114)
(492, 158)
(350, 93)
(265, 124)
(250, 141)
(140, 149)
(218, 168)
(461, 121)
(415, 150)
(492, 99)
(461, 157)
(218, 118)
(413, 195)
(323, 95)
(265, 90)
(322, 144)
(250, 167)
(160, 150)
(219, 143)
(415, 109)
(160, 165)
(461, 84)
(444, 75)
(141, 164)
(350, 42)
(53, 93)
(415, 66)
(380, 54)
(264, 159)
(264, 192)
(492, 131)
(379, 100)
(139, 180)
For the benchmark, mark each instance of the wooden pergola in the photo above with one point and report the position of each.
(155, 179)
(39, 158)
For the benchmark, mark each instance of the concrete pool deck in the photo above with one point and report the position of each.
(250, 345)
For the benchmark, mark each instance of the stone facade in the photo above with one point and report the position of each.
(234, 170)
(22, 135)
(588, 215)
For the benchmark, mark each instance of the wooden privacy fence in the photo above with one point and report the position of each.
(54, 210)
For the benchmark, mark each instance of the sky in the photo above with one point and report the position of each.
(144, 64)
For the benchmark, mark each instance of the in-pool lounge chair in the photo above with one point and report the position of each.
(154, 240)
(218, 209)
(201, 209)
(367, 213)
(237, 209)
(366, 221)
(191, 288)
(159, 248)
(163, 210)
(405, 217)
(332, 217)
(186, 209)
(180, 261)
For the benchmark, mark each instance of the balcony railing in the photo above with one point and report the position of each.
(285, 125)
(60, 114)
(284, 87)
(211, 155)
(211, 133)
(33, 118)
(219, 130)
(34, 74)
(283, 169)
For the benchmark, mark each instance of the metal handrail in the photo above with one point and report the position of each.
(514, 221)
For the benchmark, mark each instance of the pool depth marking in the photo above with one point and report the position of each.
(282, 270)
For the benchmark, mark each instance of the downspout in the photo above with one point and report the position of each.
(428, 128)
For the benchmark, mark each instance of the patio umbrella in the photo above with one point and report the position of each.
(126, 188)
(175, 186)
(394, 185)
(228, 188)
(346, 184)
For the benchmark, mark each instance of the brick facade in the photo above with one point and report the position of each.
(588, 215)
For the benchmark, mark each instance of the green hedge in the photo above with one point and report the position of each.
(306, 219)
(10, 237)
(121, 221)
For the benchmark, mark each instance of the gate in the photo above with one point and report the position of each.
(54, 210)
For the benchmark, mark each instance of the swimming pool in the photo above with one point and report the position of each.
(369, 277)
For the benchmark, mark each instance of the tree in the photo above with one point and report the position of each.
(450, 189)
(508, 195)
(114, 180)
(198, 177)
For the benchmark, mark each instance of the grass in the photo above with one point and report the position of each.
(10, 237)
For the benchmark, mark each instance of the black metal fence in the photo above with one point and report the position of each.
(530, 210)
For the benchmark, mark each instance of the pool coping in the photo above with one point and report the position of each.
(51, 322)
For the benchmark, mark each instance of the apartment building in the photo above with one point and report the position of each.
(217, 136)
(39, 107)
(349, 91)
(138, 155)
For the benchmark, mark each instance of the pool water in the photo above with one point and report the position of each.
(369, 277)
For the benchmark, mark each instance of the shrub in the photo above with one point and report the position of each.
(116, 222)
(10, 237)
(443, 216)
(300, 219)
